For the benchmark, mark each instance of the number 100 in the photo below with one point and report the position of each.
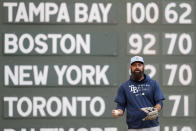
(145, 13)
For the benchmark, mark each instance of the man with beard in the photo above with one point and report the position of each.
(141, 97)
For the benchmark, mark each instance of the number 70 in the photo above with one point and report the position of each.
(184, 41)
(185, 68)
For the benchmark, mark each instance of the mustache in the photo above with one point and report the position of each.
(137, 70)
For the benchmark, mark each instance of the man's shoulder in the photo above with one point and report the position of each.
(152, 82)
(150, 79)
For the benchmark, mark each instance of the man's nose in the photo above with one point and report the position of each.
(137, 66)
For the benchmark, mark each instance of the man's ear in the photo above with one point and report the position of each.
(130, 70)
(130, 67)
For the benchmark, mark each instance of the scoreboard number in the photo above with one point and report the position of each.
(142, 43)
(176, 128)
(177, 99)
(183, 70)
(151, 69)
(149, 13)
(172, 15)
(179, 105)
(184, 41)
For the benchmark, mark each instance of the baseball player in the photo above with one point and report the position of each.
(141, 97)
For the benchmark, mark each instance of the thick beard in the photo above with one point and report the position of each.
(137, 76)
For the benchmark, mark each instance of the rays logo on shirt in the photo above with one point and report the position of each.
(134, 89)
(140, 89)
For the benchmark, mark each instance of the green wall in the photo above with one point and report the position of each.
(62, 61)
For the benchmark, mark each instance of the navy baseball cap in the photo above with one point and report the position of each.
(137, 59)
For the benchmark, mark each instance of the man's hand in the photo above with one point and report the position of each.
(158, 106)
(116, 113)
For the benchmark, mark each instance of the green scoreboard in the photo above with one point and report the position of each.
(62, 61)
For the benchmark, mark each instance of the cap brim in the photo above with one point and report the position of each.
(137, 61)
